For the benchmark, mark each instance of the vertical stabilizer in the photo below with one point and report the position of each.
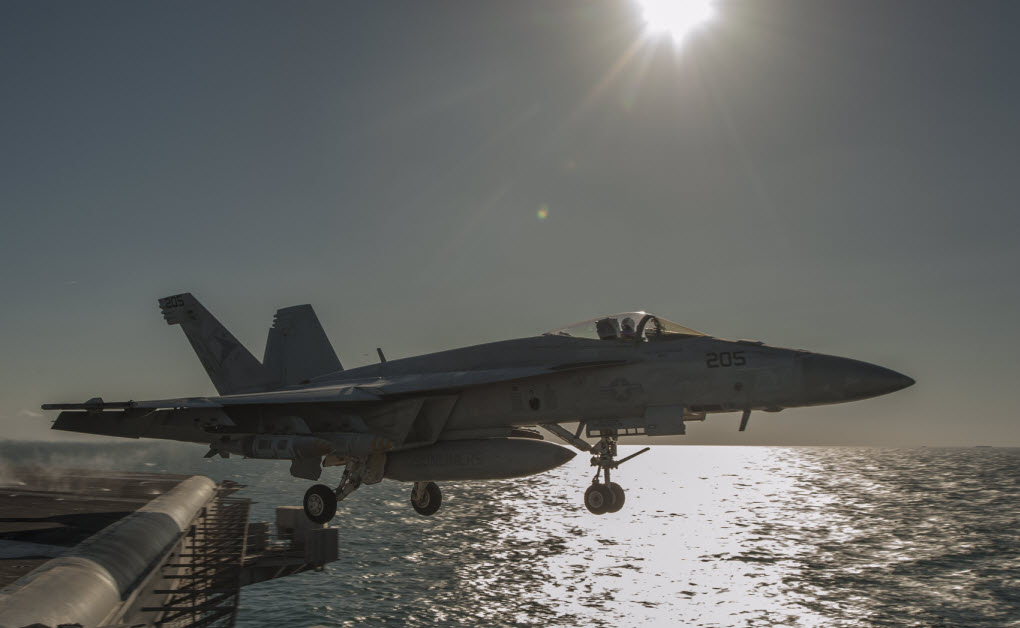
(231, 367)
(297, 349)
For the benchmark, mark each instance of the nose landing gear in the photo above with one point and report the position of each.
(608, 496)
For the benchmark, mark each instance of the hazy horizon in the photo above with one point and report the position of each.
(829, 176)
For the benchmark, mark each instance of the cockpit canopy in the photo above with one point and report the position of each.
(626, 326)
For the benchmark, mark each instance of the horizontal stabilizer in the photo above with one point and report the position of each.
(96, 404)
(297, 349)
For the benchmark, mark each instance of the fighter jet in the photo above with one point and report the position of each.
(469, 413)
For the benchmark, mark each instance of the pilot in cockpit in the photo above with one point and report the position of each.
(627, 331)
(608, 328)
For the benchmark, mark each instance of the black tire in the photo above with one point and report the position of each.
(598, 499)
(618, 497)
(431, 500)
(320, 503)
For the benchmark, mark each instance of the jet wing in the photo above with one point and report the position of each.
(360, 391)
(324, 394)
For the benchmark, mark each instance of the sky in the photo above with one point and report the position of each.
(834, 176)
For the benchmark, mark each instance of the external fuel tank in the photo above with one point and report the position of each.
(481, 459)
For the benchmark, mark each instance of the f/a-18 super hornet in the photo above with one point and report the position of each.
(470, 413)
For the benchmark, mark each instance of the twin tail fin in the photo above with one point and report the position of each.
(296, 351)
(231, 367)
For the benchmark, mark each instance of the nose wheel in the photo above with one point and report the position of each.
(599, 498)
(619, 497)
(606, 496)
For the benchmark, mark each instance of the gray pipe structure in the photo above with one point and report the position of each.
(90, 583)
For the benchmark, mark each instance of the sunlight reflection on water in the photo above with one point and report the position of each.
(709, 536)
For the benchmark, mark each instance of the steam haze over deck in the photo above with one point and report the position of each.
(835, 177)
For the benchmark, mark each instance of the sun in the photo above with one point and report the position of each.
(675, 17)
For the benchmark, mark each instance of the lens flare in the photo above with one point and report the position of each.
(543, 212)
(675, 17)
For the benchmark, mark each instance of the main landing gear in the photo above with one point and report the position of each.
(608, 496)
(321, 501)
(426, 498)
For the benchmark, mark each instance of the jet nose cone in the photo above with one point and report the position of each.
(833, 379)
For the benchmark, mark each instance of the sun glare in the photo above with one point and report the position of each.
(675, 17)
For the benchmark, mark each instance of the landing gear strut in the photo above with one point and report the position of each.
(608, 496)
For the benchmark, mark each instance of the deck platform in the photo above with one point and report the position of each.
(138, 548)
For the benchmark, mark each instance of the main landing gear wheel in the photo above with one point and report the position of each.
(599, 499)
(320, 503)
(426, 498)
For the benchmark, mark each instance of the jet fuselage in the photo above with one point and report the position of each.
(700, 374)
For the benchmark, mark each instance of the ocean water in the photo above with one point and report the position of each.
(709, 536)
